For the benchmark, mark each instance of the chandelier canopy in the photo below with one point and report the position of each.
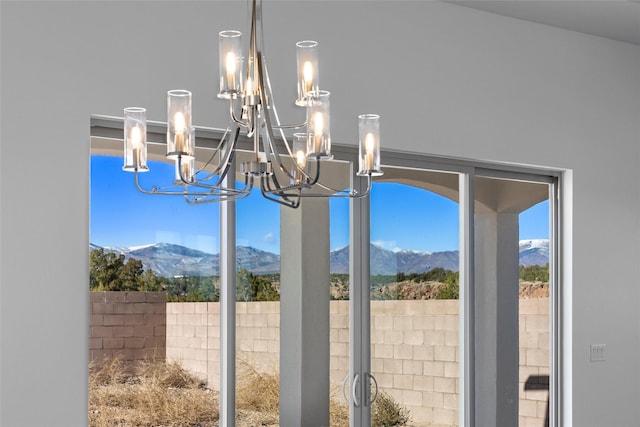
(286, 169)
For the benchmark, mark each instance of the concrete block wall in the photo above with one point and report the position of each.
(129, 325)
(415, 354)
(534, 361)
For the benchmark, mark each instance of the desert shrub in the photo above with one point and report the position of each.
(449, 291)
(386, 412)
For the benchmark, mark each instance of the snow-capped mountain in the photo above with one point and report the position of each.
(170, 260)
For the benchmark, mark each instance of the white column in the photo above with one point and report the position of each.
(496, 293)
(304, 314)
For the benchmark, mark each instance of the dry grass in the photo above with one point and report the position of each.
(155, 394)
(257, 396)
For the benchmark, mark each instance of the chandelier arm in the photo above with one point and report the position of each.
(225, 160)
(345, 194)
(182, 192)
(284, 200)
(232, 113)
(215, 151)
(222, 194)
(302, 185)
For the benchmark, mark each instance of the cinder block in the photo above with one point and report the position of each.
(410, 367)
(101, 308)
(213, 307)
(154, 319)
(134, 342)
(444, 416)
(392, 366)
(122, 331)
(451, 369)
(422, 383)
(403, 352)
(527, 408)
(413, 337)
(444, 385)
(432, 399)
(143, 331)
(96, 320)
(101, 331)
(113, 343)
(383, 351)
(159, 297)
(444, 353)
(385, 380)
(537, 358)
(452, 338)
(411, 397)
(144, 308)
(113, 320)
(383, 322)
(423, 352)
(403, 382)
(446, 323)
(451, 401)
(133, 297)
(434, 337)
(377, 336)
(537, 323)
(115, 296)
(424, 322)
(134, 319)
(97, 297)
(434, 369)
(402, 323)
(260, 345)
(393, 337)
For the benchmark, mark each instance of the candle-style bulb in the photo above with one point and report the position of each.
(179, 122)
(301, 158)
(369, 143)
(231, 63)
(318, 123)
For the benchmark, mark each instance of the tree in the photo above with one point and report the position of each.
(109, 272)
(250, 287)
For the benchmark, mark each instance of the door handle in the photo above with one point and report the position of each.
(354, 390)
(375, 382)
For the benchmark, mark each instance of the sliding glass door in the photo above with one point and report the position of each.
(451, 295)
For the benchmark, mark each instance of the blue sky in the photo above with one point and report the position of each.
(121, 216)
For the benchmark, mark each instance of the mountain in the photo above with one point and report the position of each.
(534, 252)
(169, 260)
(384, 262)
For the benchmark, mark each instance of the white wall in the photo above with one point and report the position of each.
(446, 80)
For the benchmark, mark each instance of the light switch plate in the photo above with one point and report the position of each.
(598, 352)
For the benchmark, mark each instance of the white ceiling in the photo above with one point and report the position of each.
(614, 19)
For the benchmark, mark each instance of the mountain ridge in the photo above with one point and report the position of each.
(171, 260)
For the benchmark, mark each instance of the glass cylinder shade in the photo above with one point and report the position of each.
(135, 139)
(299, 148)
(369, 135)
(307, 55)
(318, 125)
(230, 63)
(179, 137)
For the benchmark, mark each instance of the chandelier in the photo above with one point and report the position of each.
(285, 168)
